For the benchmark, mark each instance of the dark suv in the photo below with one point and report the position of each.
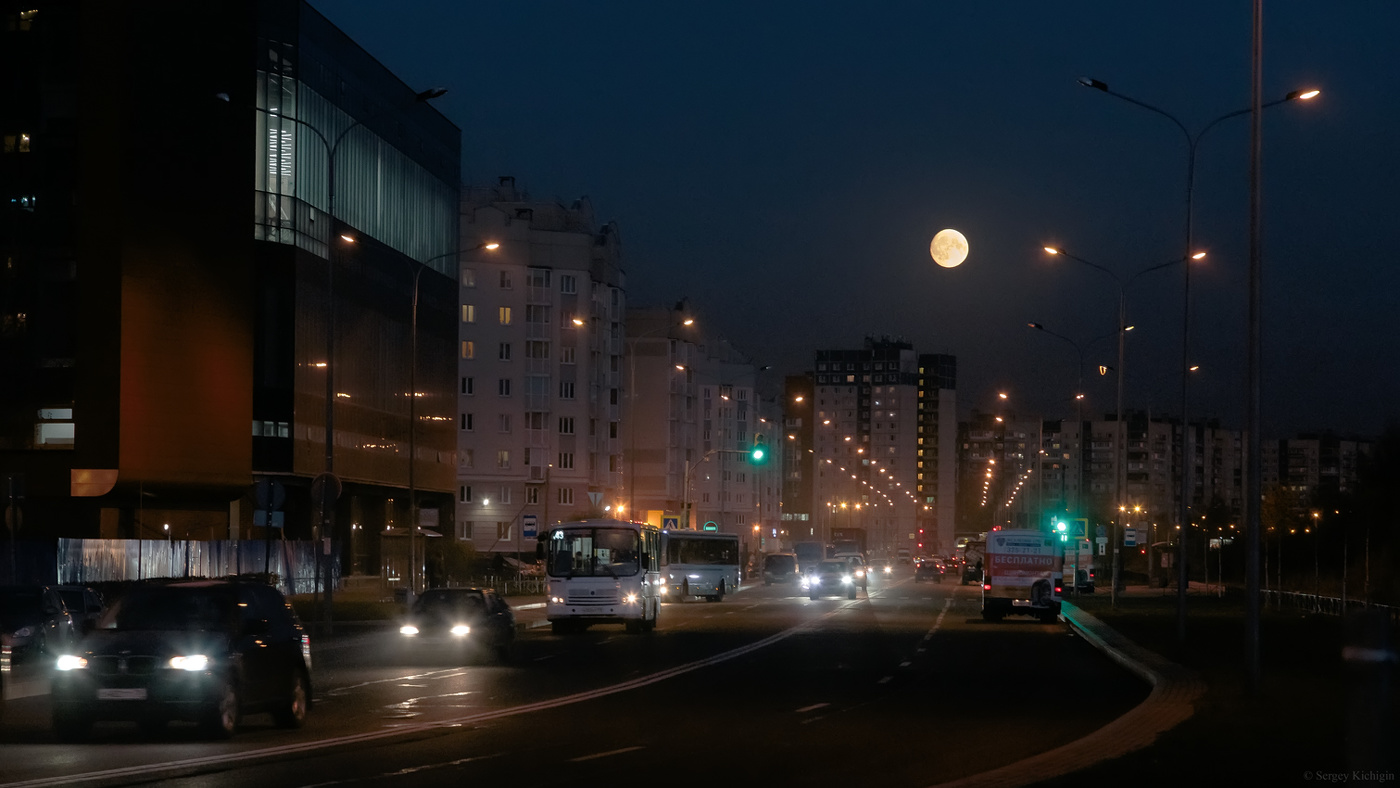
(206, 651)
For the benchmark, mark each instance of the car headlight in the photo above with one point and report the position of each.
(888, 570)
(664, 589)
(460, 630)
(860, 573)
(408, 629)
(845, 579)
(814, 580)
(70, 662)
(192, 662)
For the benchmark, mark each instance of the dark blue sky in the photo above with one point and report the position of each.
(784, 165)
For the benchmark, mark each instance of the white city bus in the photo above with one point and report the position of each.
(602, 572)
(699, 563)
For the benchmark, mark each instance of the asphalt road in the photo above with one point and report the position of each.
(905, 686)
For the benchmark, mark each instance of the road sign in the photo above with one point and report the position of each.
(260, 518)
(670, 522)
(529, 526)
(1130, 537)
(1101, 532)
(270, 494)
(711, 526)
(595, 498)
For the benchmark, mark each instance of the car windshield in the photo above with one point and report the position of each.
(73, 600)
(779, 562)
(832, 567)
(449, 604)
(172, 608)
(593, 552)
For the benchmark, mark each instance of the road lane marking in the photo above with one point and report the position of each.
(191, 766)
(813, 707)
(886, 679)
(597, 755)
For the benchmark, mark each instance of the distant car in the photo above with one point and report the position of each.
(208, 651)
(780, 568)
(34, 622)
(830, 577)
(84, 604)
(460, 622)
(903, 555)
(928, 569)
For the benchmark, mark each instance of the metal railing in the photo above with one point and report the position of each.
(1325, 605)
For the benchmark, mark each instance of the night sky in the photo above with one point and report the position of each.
(785, 165)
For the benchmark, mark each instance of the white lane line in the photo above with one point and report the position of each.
(906, 663)
(407, 771)
(813, 707)
(605, 754)
(884, 680)
(193, 765)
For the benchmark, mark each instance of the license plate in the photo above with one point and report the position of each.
(122, 693)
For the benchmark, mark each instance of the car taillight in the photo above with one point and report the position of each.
(986, 586)
(1059, 589)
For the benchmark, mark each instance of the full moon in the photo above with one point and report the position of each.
(949, 248)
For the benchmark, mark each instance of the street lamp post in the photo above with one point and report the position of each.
(413, 413)
(1120, 481)
(1192, 141)
(331, 147)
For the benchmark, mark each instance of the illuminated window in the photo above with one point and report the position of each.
(468, 313)
(468, 349)
(505, 315)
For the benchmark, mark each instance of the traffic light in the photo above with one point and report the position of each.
(1061, 528)
(758, 453)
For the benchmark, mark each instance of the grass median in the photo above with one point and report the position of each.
(1296, 729)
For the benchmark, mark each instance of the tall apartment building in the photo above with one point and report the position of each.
(540, 367)
(693, 414)
(865, 443)
(799, 520)
(937, 452)
(171, 287)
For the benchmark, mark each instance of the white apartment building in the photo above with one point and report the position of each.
(540, 360)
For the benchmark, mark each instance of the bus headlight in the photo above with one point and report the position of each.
(461, 629)
(408, 629)
(664, 589)
(631, 599)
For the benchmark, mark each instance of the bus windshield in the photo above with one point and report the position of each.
(593, 552)
(680, 550)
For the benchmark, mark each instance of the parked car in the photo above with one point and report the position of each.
(84, 604)
(780, 568)
(458, 622)
(209, 651)
(34, 622)
(830, 577)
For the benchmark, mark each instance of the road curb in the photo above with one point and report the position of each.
(1175, 692)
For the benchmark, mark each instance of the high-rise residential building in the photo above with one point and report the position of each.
(865, 442)
(540, 367)
(799, 458)
(937, 452)
(693, 416)
(223, 293)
